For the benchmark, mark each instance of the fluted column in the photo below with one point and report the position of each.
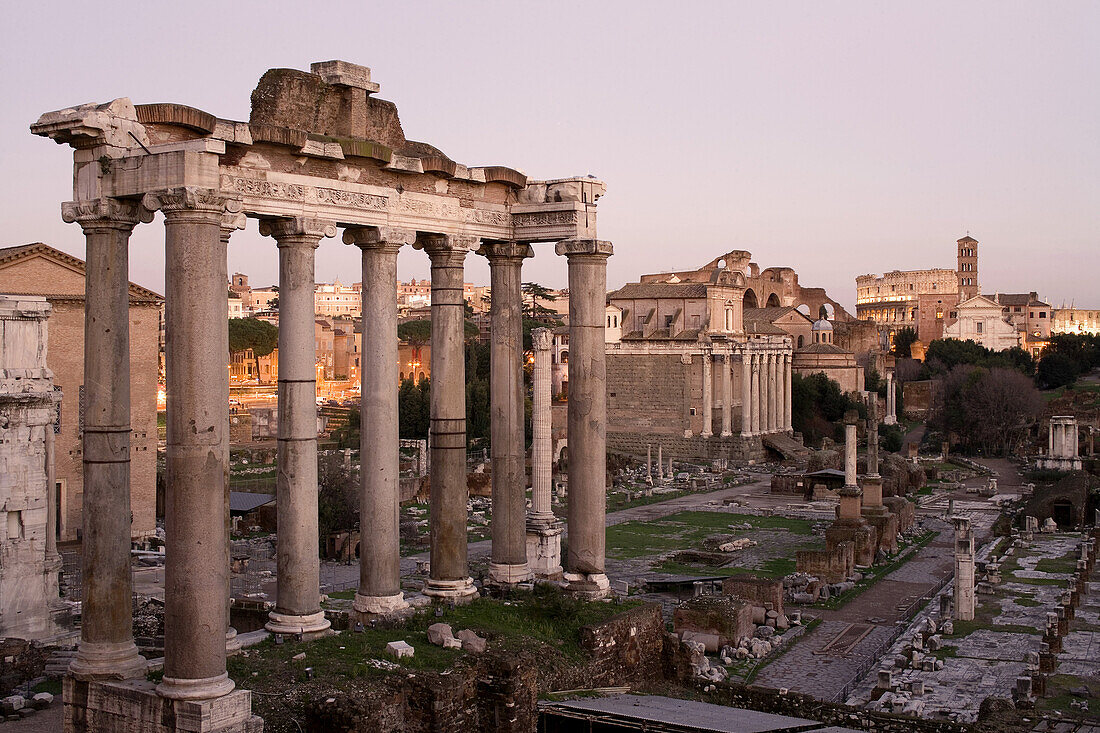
(584, 572)
(787, 424)
(891, 409)
(448, 577)
(542, 452)
(773, 423)
(196, 568)
(107, 649)
(708, 396)
(727, 396)
(379, 442)
(231, 221)
(754, 393)
(746, 391)
(780, 396)
(508, 562)
(298, 591)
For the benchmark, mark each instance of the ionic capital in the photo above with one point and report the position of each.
(541, 339)
(297, 230)
(506, 251)
(584, 248)
(105, 213)
(187, 201)
(383, 238)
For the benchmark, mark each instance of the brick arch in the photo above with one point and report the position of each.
(750, 300)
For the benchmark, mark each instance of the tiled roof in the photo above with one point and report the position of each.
(659, 290)
(11, 254)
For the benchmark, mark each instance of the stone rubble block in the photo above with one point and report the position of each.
(399, 649)
(12, 704)
(42, 700)
(438, 633)
(471, 642)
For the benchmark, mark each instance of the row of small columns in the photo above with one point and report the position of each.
(1063, 439)
(765, 393)
(198, 225)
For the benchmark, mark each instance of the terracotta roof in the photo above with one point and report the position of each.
(821, 348)
(968, 238)
(660, 290)
(763, 326)
(771, 314)
(1021, 299)
(12, 254)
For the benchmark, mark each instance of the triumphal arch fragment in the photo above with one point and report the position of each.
(319, 154)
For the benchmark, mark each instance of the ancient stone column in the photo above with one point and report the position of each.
(196, 570)
(587, 415)
(107, 649)
(754, 393)
(727, 397)
(850, 495)
(708, 396)
(449, 577)
(773, 423)
(379, 443)
(231, 221)
(964, 569)
(872, 482)
(508, 562)
(660, 463)
(298, 600)
(788, 425)
(542, 451)
(746, 391)
(543, 529)
(891, 414)
(1050, 438)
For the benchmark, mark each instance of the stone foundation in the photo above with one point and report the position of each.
(831, 565)
(714, 620)
(134, 706)
(862, 536)
(885, 525)
(757, 591)
(544, 551)
(732, 448)
(903, 509)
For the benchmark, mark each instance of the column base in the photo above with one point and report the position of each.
(541, 519)
(310, 626)
(204, 688)
(459, 591)
(509, 573)
(232, 643)
(379, 605)
(544, 550)
(108, 661)
(135, 706)
(726, 433)
(589, 586)
(890, 420)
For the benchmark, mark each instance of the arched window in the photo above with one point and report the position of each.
(800, 342)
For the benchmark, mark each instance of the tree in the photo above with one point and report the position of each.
(337, 498)
(414, 408)
(818, 405)
(1056, 370)
(989, 410)
(417, 333)
(903, 342)
(252, 333)
(532, 294)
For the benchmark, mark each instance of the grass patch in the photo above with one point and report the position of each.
(544, 616)
(1026, 601)
(946, 652)
(343, 595)
(51, 686)
(1065, 564)
(618, 501)
(924, 491)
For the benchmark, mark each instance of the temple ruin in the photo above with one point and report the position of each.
(320, 153)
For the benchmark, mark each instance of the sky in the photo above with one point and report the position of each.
(837, 138)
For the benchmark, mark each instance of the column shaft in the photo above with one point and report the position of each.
(773, 424)
(708, 396)
(541, 448)
(196, 569)
(508, 563)
(746, 391)
(379, 442)
(727, 397)
(587, 415)
(787, 424)
(298, 600)
(230, 222)
(448, 576)
(107, 647)
(754, 393)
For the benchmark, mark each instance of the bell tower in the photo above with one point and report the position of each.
(968, 268)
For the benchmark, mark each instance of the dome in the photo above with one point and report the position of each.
(822, 325)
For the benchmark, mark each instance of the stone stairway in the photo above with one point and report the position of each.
(58, 663)
(786, 446)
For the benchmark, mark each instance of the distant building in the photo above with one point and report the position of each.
(337, 299)
(1031, 317)
(982, 319)
(37, 269)
(919, 299)
(1075, 320)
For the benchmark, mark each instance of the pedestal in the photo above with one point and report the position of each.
(133, 706)
(544, 550)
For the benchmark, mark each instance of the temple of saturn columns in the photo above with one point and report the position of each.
(319, 154)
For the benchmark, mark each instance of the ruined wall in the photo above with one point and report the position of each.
(734, 448)
(832, 566)
(626, 649)
(647, 393)
(916, 399)
(757, 591)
